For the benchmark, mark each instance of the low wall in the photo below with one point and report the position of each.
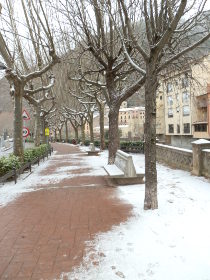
(175, 157)
(206, 162)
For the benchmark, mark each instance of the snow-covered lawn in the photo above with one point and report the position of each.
(171, 243)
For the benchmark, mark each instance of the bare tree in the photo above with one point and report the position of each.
(97, 42)
(164, 36)
(30, 96)
(21, 70)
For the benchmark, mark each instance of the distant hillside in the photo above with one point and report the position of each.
(6, 103)
(6, 108)
(137, 99)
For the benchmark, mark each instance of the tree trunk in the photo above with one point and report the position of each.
(102, 136)
(60, 135)
(151, 201)
(76, 134)
(37, 126)
(18, 121)
(83, 133)
(91, 129)
(113, 133)
(55, 135)
(43, 137)
(67, 134)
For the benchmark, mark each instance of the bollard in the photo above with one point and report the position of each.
(15, 175)
(30, 165)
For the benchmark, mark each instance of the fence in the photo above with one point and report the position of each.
(26, 166)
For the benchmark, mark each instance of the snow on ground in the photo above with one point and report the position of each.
(25, 183)
(172, 242)
(35, 181)
(5, 152)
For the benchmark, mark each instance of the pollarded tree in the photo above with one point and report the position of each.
(97, 41)
(38, 102)
(45, 115)
(166, 33)
(22, 68)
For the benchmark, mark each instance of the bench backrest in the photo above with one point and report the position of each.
(92, 147)
(125, 162)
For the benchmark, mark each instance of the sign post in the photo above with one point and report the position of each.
(47, 133)
(26, 131)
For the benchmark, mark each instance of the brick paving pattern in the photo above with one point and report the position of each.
(43, 233)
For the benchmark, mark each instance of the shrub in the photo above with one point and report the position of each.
(33, 153)
(7, 164)
(97, 143)
(130, 144)
(87, 142)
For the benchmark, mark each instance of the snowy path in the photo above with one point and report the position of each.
(172, 242)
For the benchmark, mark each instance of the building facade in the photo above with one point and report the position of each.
(183, 105)
(130, 122)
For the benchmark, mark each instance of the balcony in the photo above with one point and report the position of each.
(200, 130)
(201, 101)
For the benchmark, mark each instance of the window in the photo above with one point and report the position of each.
(177, 97)
(185, 96)
(170, 113)
(186, 128)
(178, 128)
(186, 110)
(161, 97)
(185, 81)
(201, 127)
(169, 87)
(171, 128)
(170, 100)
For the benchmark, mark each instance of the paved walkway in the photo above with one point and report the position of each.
(43, 233)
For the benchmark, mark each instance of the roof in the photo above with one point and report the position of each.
(132, 109)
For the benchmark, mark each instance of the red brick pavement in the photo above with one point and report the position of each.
(43, 233)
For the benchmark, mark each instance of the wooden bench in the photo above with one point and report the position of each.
(124, 172)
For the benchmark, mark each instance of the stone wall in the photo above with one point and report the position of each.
(175, 157)
(206, 162)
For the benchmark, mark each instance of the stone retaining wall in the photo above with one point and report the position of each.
(206, 162)
(175, 157)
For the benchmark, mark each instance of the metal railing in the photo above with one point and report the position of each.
(26, 166)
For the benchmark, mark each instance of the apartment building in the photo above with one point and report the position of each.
(183, 104)
(130, 122)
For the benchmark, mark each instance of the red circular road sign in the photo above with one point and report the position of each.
(25, 131)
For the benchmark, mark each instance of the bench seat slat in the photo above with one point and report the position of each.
(113, 170)
(139, 170)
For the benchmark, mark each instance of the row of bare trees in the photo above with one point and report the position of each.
(109, 51)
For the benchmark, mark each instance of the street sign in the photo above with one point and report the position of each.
(25, 131)
(25, 115)
(47, 131)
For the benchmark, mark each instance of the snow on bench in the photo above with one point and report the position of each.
(124, 170)
(93, 151)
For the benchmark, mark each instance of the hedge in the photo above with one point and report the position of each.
(32, 153)
(9, 163)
